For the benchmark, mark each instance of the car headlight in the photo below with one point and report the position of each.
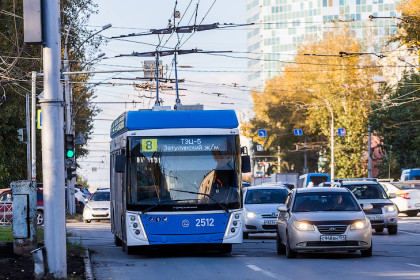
(362, 224)
(303, 226)
(390, 208)
(251, 215)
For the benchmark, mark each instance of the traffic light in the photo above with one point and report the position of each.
(70, 174)
(69, 145)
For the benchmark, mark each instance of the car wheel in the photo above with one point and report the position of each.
(117, 240)
(245, 235)
(379, 229)
(39, 218)
(86, 221)
(281, 249)
(412, 213)
(290, 254)
(392, 230)
(367, 252)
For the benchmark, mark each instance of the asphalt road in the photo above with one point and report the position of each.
(394, 257)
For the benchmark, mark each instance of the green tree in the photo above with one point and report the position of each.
(16, 63)
(299, 98)
(395, 118)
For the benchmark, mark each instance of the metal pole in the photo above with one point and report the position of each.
(53, 144)
(305, 166)
(71, 207)
(332, 142)
(33, 126)
(278, 159)
(177, 101)
(157, 79)
(28, 137)
(369, 152)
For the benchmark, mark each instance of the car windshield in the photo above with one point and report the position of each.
(325, 201)
(263, 196)
(367, 191)
(101, 196)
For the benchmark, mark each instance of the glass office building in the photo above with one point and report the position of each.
(280, 25)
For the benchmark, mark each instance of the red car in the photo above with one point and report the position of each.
(6, 207)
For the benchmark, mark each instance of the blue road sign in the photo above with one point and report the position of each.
(341, 132)
(298, 132)
(262, 132)
(260, 148)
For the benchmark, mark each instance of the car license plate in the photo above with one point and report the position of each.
(270, 222)
(333, 238)
(374, 218)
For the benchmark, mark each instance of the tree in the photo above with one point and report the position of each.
(409, 26)
(319, 76)
(395, 118)
(16, 63)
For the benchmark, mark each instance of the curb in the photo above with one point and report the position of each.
(88, 266)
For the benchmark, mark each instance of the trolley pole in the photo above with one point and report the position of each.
(53, 143)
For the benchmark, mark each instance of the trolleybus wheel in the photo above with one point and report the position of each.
(117, 240)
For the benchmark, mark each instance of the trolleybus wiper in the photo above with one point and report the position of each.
(163, 202)
(209, 196)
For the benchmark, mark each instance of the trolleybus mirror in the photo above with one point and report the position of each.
(119, 163)
(246, 164)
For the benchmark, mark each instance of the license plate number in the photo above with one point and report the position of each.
(270, 222)
(333, 238)
(374, 218)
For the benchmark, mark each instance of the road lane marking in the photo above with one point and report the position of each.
(412, 264)
(409, 232)
(256, 268)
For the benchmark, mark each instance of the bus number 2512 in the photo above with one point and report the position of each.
(204, 222)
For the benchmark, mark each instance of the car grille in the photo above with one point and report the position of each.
(250, 227)
(332, 229)
(269, 226)
(99, 215)
(331, 243)
(270, 215)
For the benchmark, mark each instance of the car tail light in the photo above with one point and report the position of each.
(405, 195)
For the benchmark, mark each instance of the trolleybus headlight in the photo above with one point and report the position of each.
(237, 216)
(232, 230)
(235, 223)
(132, 218)
(135, 225)
(137, 232)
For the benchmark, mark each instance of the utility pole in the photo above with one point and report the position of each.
(369, 153)
(33, 125)
(278, 159)
(53, 143)
(305, 163)
(28, 138)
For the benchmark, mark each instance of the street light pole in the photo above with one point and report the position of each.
(53, 143)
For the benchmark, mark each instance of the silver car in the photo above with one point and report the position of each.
(318, 219)
(384, 213)
(98, 206)
(260, 208)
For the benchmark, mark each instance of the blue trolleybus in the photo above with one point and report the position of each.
(176, 179)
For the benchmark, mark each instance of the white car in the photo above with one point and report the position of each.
(97, 207)
(260, 208)
(408, 198)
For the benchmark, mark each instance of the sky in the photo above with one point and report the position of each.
(218, 81)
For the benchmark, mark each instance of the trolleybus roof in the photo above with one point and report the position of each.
(141, 120)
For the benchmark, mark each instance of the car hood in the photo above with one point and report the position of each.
(262, 208)
(98, 204)
(329, 216)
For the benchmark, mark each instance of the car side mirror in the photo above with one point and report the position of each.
(120, 163)
(367, 206)
(282, 208)
(392, 195)
(246, 163)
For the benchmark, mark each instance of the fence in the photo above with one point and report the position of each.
(6, 213)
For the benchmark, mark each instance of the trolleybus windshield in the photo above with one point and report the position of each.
(175, 173)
